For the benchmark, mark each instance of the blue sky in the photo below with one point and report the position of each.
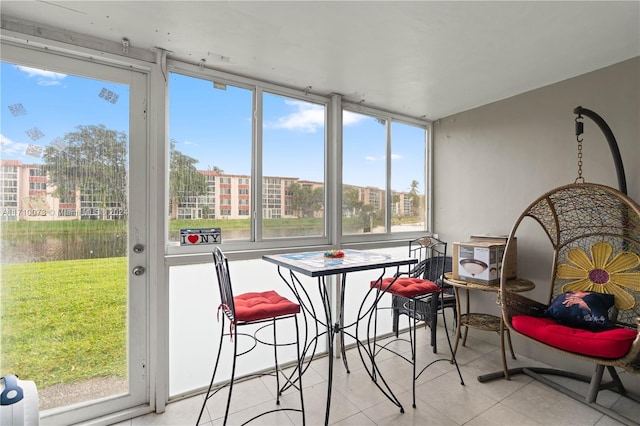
(212, 125)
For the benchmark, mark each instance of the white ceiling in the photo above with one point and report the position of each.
(421, 58)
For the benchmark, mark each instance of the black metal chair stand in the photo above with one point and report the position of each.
(433, 252)
(249, 309)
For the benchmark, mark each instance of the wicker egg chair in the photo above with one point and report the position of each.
(594, 231)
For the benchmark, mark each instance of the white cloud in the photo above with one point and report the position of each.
(45, 78)
(11, 147)
(349, 118)
(308, 118)
(43, 82)
(393, 157)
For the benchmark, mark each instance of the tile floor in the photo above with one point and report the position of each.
(441, 399)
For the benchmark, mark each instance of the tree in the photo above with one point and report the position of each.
(414, 196)
(351, 203)
(395, 201)
(93, 161)
(305, 200)
(185, 180)
(368, 217)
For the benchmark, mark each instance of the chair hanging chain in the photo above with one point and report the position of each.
(579, 129)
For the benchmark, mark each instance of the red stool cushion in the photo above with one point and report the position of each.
(406, 286)
(267, 304)
(610, 344)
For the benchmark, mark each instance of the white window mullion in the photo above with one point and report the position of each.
(388, 195)
(256, 203)
(333, 186)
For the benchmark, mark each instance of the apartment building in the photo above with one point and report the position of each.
(26, 194)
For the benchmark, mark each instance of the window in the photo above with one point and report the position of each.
(293, 167)
(251, 159)
(381, 153)
(37, 186)
(210, 132)
(215, 145)
(408, 177)
(364, 167)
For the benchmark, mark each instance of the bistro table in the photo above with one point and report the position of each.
(316, 265)
(484, 321)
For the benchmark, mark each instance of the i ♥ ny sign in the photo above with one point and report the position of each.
(200, 236)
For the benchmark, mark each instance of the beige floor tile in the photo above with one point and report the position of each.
(270, 418)
(315, 398)
(245, 394)
(441, 399)
(423, 414)
(184, 412)
(501, 415)
(356, 420)
(548, 406)
(457, 402)
(359, 389)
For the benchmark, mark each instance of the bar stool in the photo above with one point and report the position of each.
(267, 307)
(431, 251)
(427, 304)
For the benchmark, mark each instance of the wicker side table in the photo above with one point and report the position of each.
(484, 321)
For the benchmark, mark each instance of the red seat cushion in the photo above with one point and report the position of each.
(611, 344)
(267, 304)
(406, 286)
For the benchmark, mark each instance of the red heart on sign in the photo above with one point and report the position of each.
(192, 239)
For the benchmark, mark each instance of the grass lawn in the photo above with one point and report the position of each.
(64, 321)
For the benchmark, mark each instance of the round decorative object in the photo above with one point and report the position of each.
(334, 253)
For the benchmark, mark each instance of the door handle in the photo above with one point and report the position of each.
(138, 270)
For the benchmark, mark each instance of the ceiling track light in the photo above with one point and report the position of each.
(125, 45)
(201, 64)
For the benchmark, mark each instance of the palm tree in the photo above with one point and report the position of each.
(414, 196)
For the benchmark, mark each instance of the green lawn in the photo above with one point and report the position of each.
(64, 321)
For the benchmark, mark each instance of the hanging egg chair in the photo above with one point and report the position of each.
(592, 305)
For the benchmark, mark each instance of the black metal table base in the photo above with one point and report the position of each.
(333, 329)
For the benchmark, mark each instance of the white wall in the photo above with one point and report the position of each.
(492, 162)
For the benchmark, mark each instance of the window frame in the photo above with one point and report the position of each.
(258, 88)
(334, 106)
(391, 118)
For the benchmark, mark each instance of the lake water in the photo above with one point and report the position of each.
(38, 248)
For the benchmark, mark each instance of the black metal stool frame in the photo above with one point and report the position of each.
(439, 250)
(228, 308)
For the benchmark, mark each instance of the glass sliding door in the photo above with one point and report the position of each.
(72, 240)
